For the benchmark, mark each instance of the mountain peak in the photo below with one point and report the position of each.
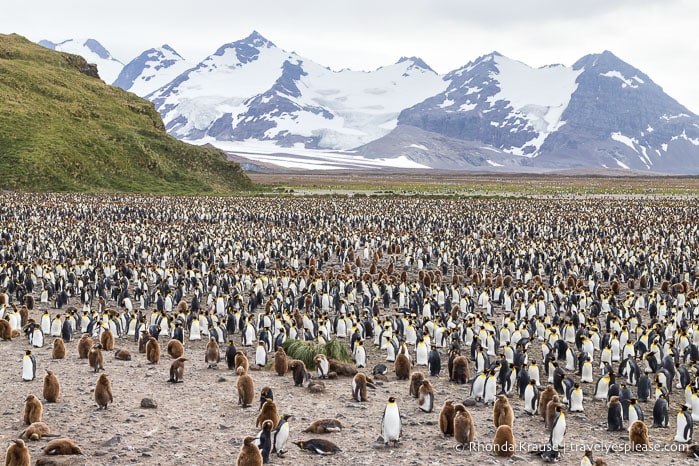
(416, 63)
(257, 40)
(97, 49)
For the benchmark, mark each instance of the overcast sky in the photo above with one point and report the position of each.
(659, 37)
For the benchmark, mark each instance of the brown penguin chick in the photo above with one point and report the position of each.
(246, 388)
(52, 387)
(544, 399)
(425, 396)
(281, 365)
(638, 436)
(299, 371)
(460, 370)
(462, 426)
(177, 370)
(551, 411)
(17, 454)
(103, 392)
(5, 329)
(94, 357)
(359, 384)
(59, 349)
(84, 346)
(213, 355)
(416, 379)
(241, 360)
(35, 431)
(175, 348)
(324, 426)
(502, 412)
(33, 409)
(107, 339)
(402, 367)
(268, 412)
(504, 441)
(153, 350)
(122, 354)
(63, 446)
(446, 419)
(249, 453)
(342, 368)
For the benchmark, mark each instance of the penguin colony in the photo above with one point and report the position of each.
(604, 299)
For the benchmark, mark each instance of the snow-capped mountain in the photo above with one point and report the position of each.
(252, 97)
(108, 67)
(151, 70)
(251, 89)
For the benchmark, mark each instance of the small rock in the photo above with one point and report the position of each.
(224, 427)
(147, 454)
(332, 375)
(516, 458)
(430, 423)
(469, 402)
(112, 441)
(222, 379)
(100, 453)
(149, 403)
(381, 377)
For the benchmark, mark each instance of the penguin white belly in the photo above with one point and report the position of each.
(37, 338)
(282, 435)
(421, 355)
(56, 328)
(260, 356)
(490, 389)
(684, 431)
(27, 370)
(360, 356)
(391, 423)
(194, 331)
(428, 403)
(576, 401)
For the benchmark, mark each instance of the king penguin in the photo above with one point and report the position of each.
(576, 399)
(685, 426)
(660, 417)
(281, 435)
(28, 366)
(558, 429)
(531, 398)
(390, 423)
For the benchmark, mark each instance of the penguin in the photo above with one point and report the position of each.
(153, 350)
(460, 372)
(33, 410)
(434, 362)
(265, 394)
(615, 419)
(558, 429)
(28, 366)
(107, 339)
(103, 392)
(322, 365)
(359, 354)
(586, 372)
(46, 323)
(421, 353)
(402, 366)
(576, 399)
(62, 446)
(490, 388)
(602, 387)
(261, 354)
(84, 346)
(318, 446)
(546, 396)
(446, 419)
(177, 370)
(426, 397)
(241, 360)
(359, 386)
(94, 358)
(122, 354)
(175, 348)
(249, 454)
(281, 365)
(390, 423)
(643, 388)
(246, 388)
(268, 412)
(502, 412)
(416, 379)
(463, 428)
(324, 426)
(635, 411)
(36, 431)
(551, 411)
(660, 412)
(213, 355)
(638, 436)
(264, 440)
(531, 398)
(59, 349)
(231, 350)
(17, 454)
(56, 326)
(478, 386)
(504, 441)
(300, 374)
(281, 435)
(685, 426)
(52, 388)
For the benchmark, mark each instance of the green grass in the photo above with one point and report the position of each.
(62, 130)
(307, 350)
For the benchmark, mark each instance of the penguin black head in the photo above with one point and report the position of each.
(28, 352)
(392, 399)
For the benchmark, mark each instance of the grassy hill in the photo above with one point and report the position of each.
(63, 129)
